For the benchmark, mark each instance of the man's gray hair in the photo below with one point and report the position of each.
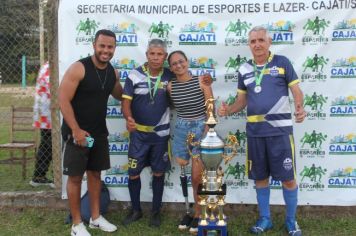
(259, 28)
(159, 43)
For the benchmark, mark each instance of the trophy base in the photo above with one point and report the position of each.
(208, 192)
(212, 229)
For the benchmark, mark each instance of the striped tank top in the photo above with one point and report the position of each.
(188, 99)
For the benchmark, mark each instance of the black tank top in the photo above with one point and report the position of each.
(90, 99)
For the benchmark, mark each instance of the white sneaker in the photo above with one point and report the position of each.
(103, 224)
(79, 230)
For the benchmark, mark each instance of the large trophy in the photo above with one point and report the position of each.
(212, 190)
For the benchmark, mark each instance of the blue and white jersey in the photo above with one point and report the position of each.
(268, 110)
(151, 116)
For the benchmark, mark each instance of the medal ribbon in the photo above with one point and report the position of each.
(158, 81)
(258, 79)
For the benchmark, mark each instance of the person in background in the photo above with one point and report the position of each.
(42, 121)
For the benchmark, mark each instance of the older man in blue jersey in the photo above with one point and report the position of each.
(146, 109)
(263, 84)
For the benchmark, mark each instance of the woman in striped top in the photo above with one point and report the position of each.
(188, 95)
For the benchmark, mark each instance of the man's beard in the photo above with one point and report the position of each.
(97, 57)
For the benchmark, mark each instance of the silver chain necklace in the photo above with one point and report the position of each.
(100, 80)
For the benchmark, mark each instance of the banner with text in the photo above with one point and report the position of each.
(319, 38)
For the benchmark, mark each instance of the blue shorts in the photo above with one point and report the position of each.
(179, 139)
(271, 156)
(142, 154)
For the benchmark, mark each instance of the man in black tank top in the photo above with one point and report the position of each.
(83, 96)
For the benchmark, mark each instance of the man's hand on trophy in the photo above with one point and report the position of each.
(130, 124)
(223, 109)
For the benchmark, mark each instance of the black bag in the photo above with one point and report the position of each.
(85, 205)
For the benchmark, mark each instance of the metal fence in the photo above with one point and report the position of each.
(28, 38)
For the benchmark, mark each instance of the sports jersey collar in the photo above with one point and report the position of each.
(269, 59)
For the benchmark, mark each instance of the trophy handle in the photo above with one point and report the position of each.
(190, 144)
(233, 144)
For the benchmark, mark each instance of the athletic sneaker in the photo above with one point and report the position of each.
(102, 223)
(262, 225)
(194, 226)
(41, 181)
(293, 229)
(79, 230)
(185, 222)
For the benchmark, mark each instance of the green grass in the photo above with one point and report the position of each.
(51, 222)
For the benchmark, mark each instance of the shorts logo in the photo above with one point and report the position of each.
(288, 163)
(165, 157)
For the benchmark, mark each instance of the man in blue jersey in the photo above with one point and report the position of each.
(146, 109)
(263, 84)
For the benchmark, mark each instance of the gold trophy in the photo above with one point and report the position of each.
(212, 190)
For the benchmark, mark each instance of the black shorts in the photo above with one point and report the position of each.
(76, 159)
